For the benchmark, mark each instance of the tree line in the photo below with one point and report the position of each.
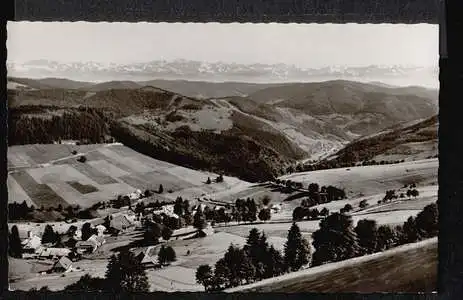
(337, 239)
(35, 125)
(255, 261)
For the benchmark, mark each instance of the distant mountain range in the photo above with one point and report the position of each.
(221, 72)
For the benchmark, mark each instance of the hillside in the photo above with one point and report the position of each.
(278, 125)
(415, 141)
(49, 175)
(410, 268)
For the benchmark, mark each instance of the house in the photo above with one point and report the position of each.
(98, 239)
(86, 247)
(101, 229)
(32, 243)
(120, 222)
(149, 258)
(46, 252)
(64, 264)
(276, 208)
(206, 231)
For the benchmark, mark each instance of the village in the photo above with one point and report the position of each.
(59, 248)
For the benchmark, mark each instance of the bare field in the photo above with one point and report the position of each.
(110, 170)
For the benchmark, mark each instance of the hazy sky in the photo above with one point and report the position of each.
(304, 45)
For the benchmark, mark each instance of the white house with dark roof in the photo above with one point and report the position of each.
(64, 264)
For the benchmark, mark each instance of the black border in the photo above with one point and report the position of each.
(450, 245)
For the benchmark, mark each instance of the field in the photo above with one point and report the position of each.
(48, 175)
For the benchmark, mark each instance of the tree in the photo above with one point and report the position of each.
(208, 180)
(240, 266)
(178, 206)
(152, 233)
(125, 273)
(170, 254)
(161, 189)
(139, 208)
(410, 233)
(297, 249)
(219, 178)
(314, 188)
(324, 212)
(204, 276)
(266, 200)
(265, 214)
(86, 231)
(222, 275)
(363, 204)
(257, 250)
(367, 234)
(49, 235)
(87, 283)
(199, 220)
(409, 193)
(71, 231)
(427, 221)
(335, 240)
(82, 159)
(162, 255)
(415, 193)
(387, 238)
(14, 244)
(346, 208)
(276, 264)
(166, 233)
(298, 214)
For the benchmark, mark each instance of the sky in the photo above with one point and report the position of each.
(303, 45)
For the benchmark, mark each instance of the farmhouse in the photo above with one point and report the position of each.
(101, 229)
(149, 258)
(206, 231)
(32, 243)
(45, 252)
(86, 247)
(64, 264)
(276, 208)
(120, 222)
(98, 239)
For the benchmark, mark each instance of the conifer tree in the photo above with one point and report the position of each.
(49, 235)
(367, 234)
(126, 274)
(14, 244)
(204, 276)
(297, 250)
(335, 240)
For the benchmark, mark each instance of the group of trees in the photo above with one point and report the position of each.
(22, 211)
(391, 194)
(304, 213)
(257, 260)
(337, 239)
(124, 273)
(217, 180)
(32, 125)
(18, 211)
(245, 210)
